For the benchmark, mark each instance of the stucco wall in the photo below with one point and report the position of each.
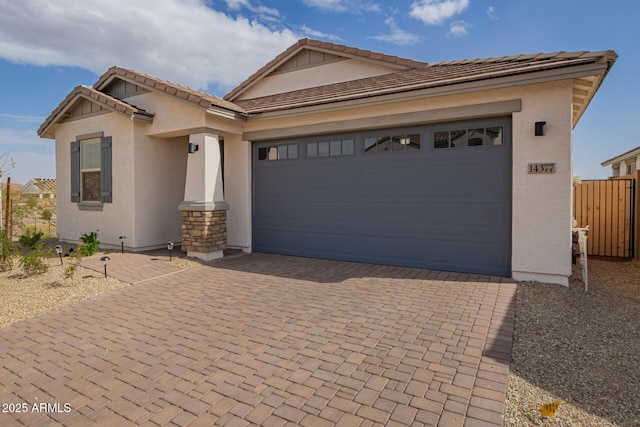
(159, 176)
(116, 218)
(237, 191)
(541, 203)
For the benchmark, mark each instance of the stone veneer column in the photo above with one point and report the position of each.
(204, 211)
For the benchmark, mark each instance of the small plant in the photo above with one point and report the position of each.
(30, 239)
(71, 268)
(33, 263)
(90, 243)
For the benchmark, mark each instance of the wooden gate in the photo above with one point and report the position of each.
(607, 207)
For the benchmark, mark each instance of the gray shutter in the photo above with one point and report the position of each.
(106, 187)
(75, 172)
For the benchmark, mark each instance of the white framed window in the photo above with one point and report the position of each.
(90, 171)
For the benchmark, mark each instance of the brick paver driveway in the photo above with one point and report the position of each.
(268, 340)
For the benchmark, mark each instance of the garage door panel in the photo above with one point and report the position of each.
(464, 255)
(467, 216)
(440, 208)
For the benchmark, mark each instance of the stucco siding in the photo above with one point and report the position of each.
(172, 116)
(542, 202)
(159, 178)
(303, 78)
(237, 183)
(115, 219)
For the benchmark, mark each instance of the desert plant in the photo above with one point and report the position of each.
(90, 243)
(71, 268)
(30, 240)
(33, 263)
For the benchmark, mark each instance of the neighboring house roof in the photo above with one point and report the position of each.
(198, 98)
(429, 76)
(634, 152)
(341, 50)
(39, 186)
(103, 99)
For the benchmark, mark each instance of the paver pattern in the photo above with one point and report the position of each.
(270, 340)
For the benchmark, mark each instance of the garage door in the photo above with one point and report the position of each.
(434, 196)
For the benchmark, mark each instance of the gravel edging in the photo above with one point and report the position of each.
(22, 297)
(578, 347)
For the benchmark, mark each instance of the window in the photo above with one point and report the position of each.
(392, 144)
(91, 170)
(334, 148)
(473, 137)
(278, 152)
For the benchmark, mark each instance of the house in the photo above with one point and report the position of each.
(624, 164)
(336, 152)
(42, 188)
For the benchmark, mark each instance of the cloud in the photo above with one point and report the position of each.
(491, 13)
(12, 139)
(397, 35)
(263, 12)
(435, 12)
(22, 119)
(184, 41)
(354, 6)
(458, 29)
(318, 34)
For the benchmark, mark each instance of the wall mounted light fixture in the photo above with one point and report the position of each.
(541, 128)
(193, 147)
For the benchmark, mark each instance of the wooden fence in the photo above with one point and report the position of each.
(610, 209)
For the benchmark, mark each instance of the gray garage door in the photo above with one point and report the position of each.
(433, 196)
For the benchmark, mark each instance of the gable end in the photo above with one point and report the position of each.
(122, 89)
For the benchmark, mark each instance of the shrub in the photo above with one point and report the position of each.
(71, 268)
(90, 245)
(30, 240)
(33, 263)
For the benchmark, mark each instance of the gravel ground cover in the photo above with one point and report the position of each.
(579, 347)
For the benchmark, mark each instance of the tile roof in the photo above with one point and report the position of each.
(342, 50)
(192, 96)
(98, 97)
(432, 75)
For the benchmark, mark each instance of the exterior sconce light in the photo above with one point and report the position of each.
(105, 260)
(541, 128)
(59, 252)
(193, 147)
(122, 239)
(170, 247)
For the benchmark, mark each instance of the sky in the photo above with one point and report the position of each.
(47, 47)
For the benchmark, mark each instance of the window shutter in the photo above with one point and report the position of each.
(106, 187)
(75, 172)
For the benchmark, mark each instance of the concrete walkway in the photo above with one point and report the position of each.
(268, 340)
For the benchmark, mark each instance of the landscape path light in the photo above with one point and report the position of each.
(122, 239)
(59, 252)
(105, 260)
(170, 247)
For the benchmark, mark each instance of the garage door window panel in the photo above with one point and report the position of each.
(333, 148)
(392, 144)
(278, 152)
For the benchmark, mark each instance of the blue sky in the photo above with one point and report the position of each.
(47, 47)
